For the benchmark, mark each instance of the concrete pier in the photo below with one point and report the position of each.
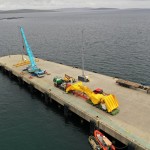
(131, 125)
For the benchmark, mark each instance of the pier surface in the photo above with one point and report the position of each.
(131, 124)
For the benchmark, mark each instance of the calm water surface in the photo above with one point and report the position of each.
(116, 43)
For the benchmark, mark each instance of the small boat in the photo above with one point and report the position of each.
(94, 144)
(103, 141)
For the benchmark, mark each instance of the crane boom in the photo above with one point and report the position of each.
(32, 68)
(28, 49)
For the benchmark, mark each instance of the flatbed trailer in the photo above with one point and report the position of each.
(130, 84)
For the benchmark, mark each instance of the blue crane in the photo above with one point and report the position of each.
(32, 68)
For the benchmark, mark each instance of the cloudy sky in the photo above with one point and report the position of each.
(53, 4)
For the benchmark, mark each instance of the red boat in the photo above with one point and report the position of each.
(103, 141)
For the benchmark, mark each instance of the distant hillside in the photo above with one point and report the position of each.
(54, 10)
(68, 10)
(105, 8)
(84, 9)
(11, 18)
(26, 11)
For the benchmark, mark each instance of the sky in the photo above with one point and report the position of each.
(55, 4)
